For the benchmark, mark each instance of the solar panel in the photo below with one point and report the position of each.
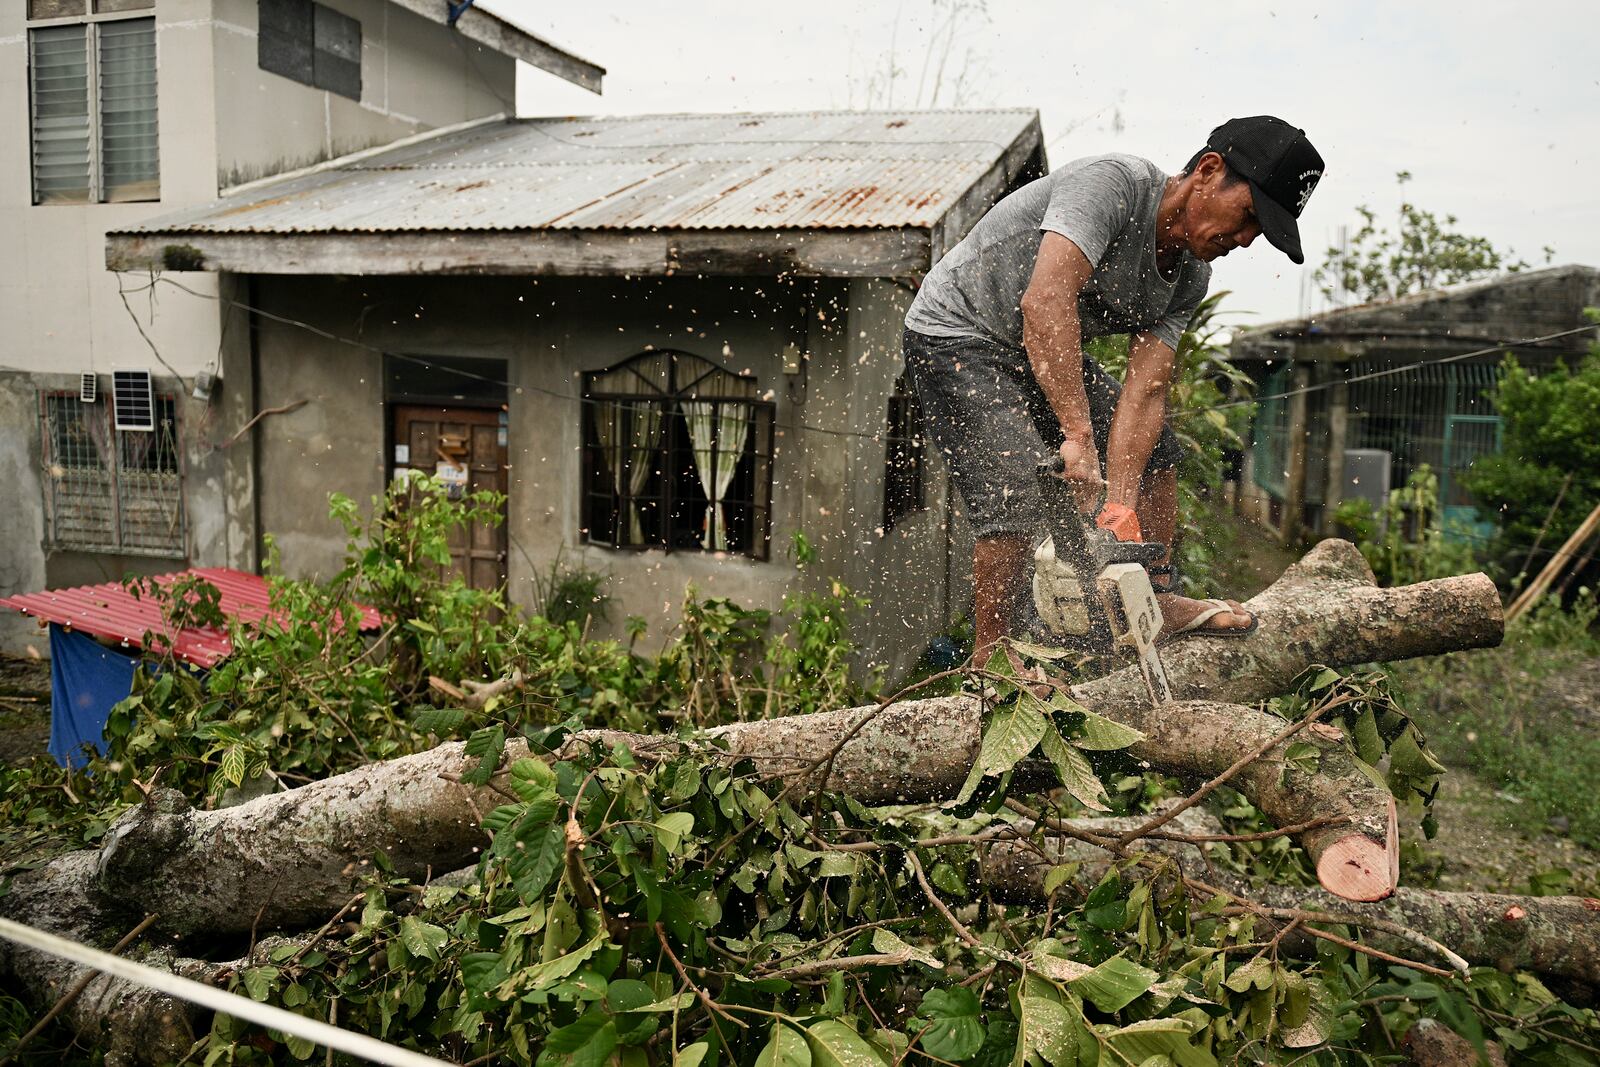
(88, 388)
(133, 400)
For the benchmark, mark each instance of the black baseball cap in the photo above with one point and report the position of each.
(1281, 167)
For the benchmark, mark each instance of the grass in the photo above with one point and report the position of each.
(1522, 716)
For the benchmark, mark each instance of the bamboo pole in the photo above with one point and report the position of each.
(1540, 585)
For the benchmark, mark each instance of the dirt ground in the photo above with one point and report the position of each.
(24, 708)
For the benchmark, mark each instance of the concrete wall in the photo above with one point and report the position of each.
(221, 119)
(415, 75)
(26, 562)
(59, 307)
(551, 331)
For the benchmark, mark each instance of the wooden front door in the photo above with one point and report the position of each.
(478, 552)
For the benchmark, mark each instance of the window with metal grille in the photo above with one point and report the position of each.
(904, 490)
(311, 44)
(677, 455)
(92, 94)
(108, 490)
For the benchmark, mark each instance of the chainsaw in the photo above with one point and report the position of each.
(1092, 590)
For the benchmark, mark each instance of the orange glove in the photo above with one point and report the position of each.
(1121, 521)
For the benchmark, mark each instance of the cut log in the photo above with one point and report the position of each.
(1552, 935)
(287, 859)
(1325, 609)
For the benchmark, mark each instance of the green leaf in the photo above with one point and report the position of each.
(532, 779)
(1012, 733)
(300, 1048)
(1096, 733)
(1038, 652)
(1076, 774)
(944, 876)
(1159, 1037)
(671, 828)
(1303, 757)
(488, 744)
(691, 1055)
(422, 939)
(233, 766)
(535, 860)
(1408, 757)
(1058, 876)
(1256, 974)
(259, 981)
(833, 1044)
(1114, 984)
(588, 1042)
(1049, 1031)
(787, 1048)
(543, 975)
(440, 721)
(955, 1030)
(1369, 743)
(888, 943)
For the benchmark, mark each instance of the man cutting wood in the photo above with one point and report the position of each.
(994, 345)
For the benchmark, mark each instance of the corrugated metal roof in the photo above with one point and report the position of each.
(109, 611)
(825, 170)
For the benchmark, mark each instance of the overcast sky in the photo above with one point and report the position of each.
(1494, 108)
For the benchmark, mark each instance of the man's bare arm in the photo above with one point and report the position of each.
(1052, 336)
(1142, 411)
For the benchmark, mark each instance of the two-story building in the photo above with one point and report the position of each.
(113, 423)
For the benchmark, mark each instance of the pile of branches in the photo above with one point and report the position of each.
(931, 879)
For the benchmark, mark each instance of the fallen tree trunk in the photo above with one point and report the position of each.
(1325, 609)
(286, 859)
(1552, 935)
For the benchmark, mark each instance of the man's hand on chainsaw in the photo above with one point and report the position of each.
(1081, 469)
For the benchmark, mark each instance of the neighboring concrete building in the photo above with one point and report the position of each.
(101, 136)
(672, 341)
(1355, 400)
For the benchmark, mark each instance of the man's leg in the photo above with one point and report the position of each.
(999, 575)
(1158, 516)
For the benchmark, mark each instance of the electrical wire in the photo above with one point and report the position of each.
(1526, 342)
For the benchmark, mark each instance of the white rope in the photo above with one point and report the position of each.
(219, 999)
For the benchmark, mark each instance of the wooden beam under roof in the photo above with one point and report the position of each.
(864, 253)
(494, 32)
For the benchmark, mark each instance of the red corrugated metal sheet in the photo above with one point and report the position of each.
(111, 612)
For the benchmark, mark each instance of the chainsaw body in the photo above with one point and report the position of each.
(1092, 590)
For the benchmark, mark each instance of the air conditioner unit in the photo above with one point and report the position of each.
(1366, 476)
(88, 387)
(133, 400)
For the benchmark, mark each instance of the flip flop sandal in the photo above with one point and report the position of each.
(1197, 625)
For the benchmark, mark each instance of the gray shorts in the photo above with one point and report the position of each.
(990, 420)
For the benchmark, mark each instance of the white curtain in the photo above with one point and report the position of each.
(716, 457)
(646, 438)
(629, 431)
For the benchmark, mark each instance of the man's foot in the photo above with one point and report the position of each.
(1183, 615)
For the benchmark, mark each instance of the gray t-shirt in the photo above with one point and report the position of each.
(1106, 205)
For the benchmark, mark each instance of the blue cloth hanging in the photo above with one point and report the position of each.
(87, 680)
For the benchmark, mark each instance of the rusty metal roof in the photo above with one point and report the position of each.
(805, 170)
(111, 612)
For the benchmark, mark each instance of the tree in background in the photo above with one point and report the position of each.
(1425, 251)
(1551, 454)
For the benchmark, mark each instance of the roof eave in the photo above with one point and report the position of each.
(496, 33)
(904, 252)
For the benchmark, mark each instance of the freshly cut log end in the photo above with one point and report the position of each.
(1356, 867)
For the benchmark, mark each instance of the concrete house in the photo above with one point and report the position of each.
(115, 413)
(672, 341)
(1355, 400)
